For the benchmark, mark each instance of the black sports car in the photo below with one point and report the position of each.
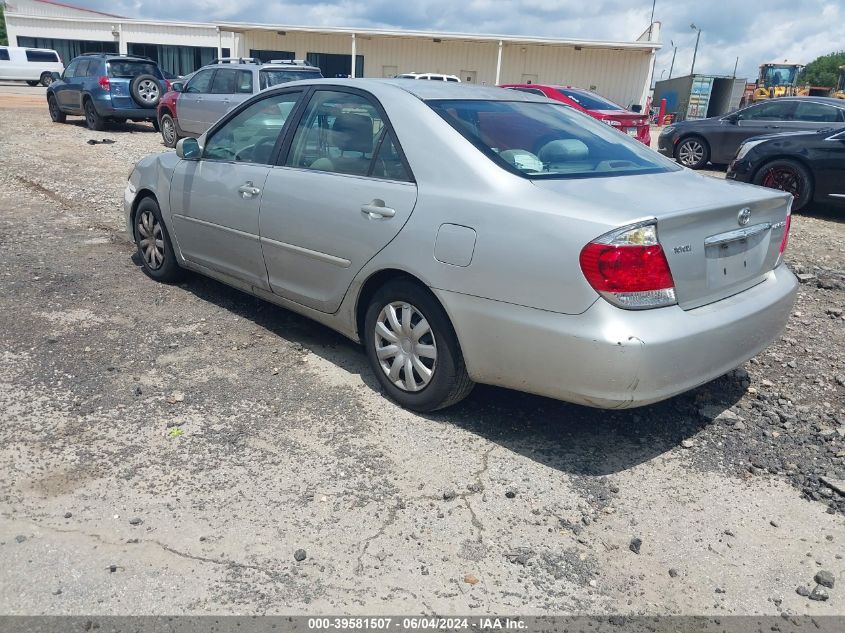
(695, 143)
(809, 165)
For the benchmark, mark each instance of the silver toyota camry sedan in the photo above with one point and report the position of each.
(467, 234)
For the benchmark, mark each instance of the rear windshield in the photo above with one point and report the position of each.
(548, 140)
(589, 101)
(126, 68)
(272, 77)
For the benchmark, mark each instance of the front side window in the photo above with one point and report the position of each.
(589, 101)
(338, 133)
(812, 112)
(276, 76)
(250, 136)
(201, 82)
(70, 71)
(548, 140)
(769, 111)
(4, 54)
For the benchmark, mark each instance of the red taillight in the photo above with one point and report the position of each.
(629, 268)
(104, 83)
(611, 268)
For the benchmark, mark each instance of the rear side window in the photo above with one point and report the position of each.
(125, 68)
(83, 68)
(245, 81)
(224, 82)
(41, 56)
(818, 113)
(770, 111)
(4, 54)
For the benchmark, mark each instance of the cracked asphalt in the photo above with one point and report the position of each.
(167, 449)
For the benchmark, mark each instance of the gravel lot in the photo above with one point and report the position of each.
(169, 449)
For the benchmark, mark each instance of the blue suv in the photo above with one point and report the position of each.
(106, 87)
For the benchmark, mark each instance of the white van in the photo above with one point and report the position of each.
(32, 65)
(429, 76)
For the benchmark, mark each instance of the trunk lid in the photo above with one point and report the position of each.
(711, 254)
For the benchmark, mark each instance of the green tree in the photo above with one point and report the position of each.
(3, 39)
(822, 71)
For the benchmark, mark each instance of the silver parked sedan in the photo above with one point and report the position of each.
(467, 234)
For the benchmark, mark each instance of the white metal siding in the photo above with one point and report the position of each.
(58, 29)
(45, 9)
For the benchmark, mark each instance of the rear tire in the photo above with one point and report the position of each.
(789, 176)
(153, 242)
(56, 113)
(46, 79)
(32, 83)
(431, 353)
(168, 130)
(692, 152)
(92, 118)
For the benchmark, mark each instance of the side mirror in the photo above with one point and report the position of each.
(177, 86)
(55, 76)
(188, 149)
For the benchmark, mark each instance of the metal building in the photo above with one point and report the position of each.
(620, 71)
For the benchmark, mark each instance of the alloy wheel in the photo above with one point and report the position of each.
(151, 240)
(690, 152)
(168, 130)
(785, 179)
(148, 90)
(405, 346)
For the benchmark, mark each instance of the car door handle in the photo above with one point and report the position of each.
(376, 210)
(247, 190)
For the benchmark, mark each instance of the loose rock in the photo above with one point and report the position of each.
(299, 555)
(825, 578)
(635, 545)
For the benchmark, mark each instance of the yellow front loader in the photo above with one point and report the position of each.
(839, 91)
(777, 80)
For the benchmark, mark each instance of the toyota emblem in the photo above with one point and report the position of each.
(744, 216)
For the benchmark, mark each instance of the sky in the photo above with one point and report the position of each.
(756, 31)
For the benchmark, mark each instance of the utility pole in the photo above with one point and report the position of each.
(695, 52)
(674, 52)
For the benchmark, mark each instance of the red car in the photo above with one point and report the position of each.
(631, 123)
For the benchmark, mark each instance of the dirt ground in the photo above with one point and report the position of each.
(168, 449)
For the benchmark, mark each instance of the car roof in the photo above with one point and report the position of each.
(828, 100)
(426, 90)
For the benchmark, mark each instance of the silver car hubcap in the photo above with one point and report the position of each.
(691, 152)
(148, 90)
(405, 346)
(151, 240)
(169, 130)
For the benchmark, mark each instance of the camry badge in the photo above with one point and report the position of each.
(744, 216)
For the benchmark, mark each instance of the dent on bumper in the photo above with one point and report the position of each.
(613, 358)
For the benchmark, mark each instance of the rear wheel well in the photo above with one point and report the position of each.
(371, 286)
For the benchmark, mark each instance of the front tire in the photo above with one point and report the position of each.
(413, 349)
(153, 242)
(56, 113)
(168, 130)
(789, 176)
(693, 152)
(92, 118)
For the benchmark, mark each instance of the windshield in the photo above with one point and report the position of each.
(779, 76)
(272, 77)
(588, 100)
(123, 68)
(548, 140)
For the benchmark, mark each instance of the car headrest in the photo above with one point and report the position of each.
(353, 133)
(563, 150)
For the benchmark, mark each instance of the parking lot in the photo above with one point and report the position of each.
(169, 449)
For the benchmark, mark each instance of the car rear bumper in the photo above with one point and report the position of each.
(105, 108)
(613, 358)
